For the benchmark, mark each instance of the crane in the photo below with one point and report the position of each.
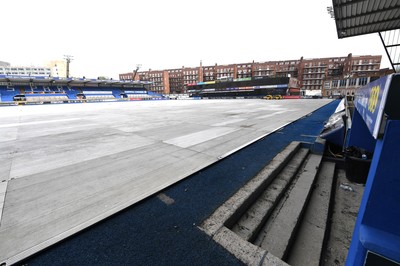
(136, 70)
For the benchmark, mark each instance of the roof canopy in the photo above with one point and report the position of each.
(70, 81)
(358, 17)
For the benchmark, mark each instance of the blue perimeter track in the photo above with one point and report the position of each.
(152, 232)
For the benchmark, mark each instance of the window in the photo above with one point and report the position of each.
(342, 83)
(363, 81)
(335, 83)
(352, 82)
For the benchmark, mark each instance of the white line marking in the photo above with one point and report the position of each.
(228, 122)
(199, 137)
(3, 189)
(272, 114)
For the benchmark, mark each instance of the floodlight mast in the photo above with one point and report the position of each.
(68, 58)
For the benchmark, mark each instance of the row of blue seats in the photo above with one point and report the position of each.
(7, 93)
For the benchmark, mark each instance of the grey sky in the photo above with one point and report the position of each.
(110, 37)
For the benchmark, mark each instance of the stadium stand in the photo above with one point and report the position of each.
(38, 90)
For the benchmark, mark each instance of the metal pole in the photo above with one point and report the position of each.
(387, 53)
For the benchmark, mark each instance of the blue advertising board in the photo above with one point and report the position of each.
(370, 103)
(22, 77)
(136, 92)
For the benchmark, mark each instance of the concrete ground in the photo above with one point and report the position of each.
(345, 210)
(66, 167)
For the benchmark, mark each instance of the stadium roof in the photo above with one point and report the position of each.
(359, 17)
(69, 81)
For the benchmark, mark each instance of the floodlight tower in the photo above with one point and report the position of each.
(68, 58)
(135, 71)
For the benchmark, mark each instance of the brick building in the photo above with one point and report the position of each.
(311, 73)
(347, 85)
(160, 79)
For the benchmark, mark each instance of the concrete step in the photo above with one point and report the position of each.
(238, 204)
(258, 224)
(218, 225)
(250, 223)
(307, 247)
(278, 233)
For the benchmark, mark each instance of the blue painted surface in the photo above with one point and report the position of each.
(359, 135)
(71, 94)
(153, 233)
(23, 77)
(377, 227)
(135, 92)
(8, 96)
(44, 95)
(370, 101)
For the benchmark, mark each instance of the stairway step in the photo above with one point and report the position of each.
(277, 235)
(307, 247)
(234, 207)
(253, 219)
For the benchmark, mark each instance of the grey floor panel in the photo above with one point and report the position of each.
(68, 166)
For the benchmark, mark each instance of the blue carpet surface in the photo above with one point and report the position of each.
(152, 232)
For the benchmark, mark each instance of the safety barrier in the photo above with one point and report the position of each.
(376, 128)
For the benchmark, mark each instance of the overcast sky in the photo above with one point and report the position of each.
(107, 37)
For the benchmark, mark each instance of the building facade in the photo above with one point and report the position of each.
(347, 85)
(158, 78)
(25, 71)
(58, 68)
(311, 73)
(54, 68)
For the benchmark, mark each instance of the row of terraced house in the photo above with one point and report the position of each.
(330, 76)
